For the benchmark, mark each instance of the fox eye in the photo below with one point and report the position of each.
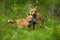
(35, 11)
(31, 11)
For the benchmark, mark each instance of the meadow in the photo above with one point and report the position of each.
(17, 9)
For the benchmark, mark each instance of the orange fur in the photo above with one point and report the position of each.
(40, 17)
(24, 22)
(33, 10)
(36, 16)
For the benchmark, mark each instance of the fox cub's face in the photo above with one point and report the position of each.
(33, 11)
(29, 18)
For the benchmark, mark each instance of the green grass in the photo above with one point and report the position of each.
(10, 32)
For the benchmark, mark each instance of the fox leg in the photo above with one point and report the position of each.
(19, 26)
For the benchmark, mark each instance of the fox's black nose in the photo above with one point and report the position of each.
(34, 15)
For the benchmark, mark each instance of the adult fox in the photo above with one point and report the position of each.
(23, 22)
(36, 16)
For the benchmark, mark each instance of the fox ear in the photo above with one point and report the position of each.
(36, 7)
(26, 15)
(29, 8)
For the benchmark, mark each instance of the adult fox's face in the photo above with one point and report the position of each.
(33, 11)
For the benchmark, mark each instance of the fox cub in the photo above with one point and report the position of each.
(23, 22)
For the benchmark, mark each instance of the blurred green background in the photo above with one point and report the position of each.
(16, 9)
